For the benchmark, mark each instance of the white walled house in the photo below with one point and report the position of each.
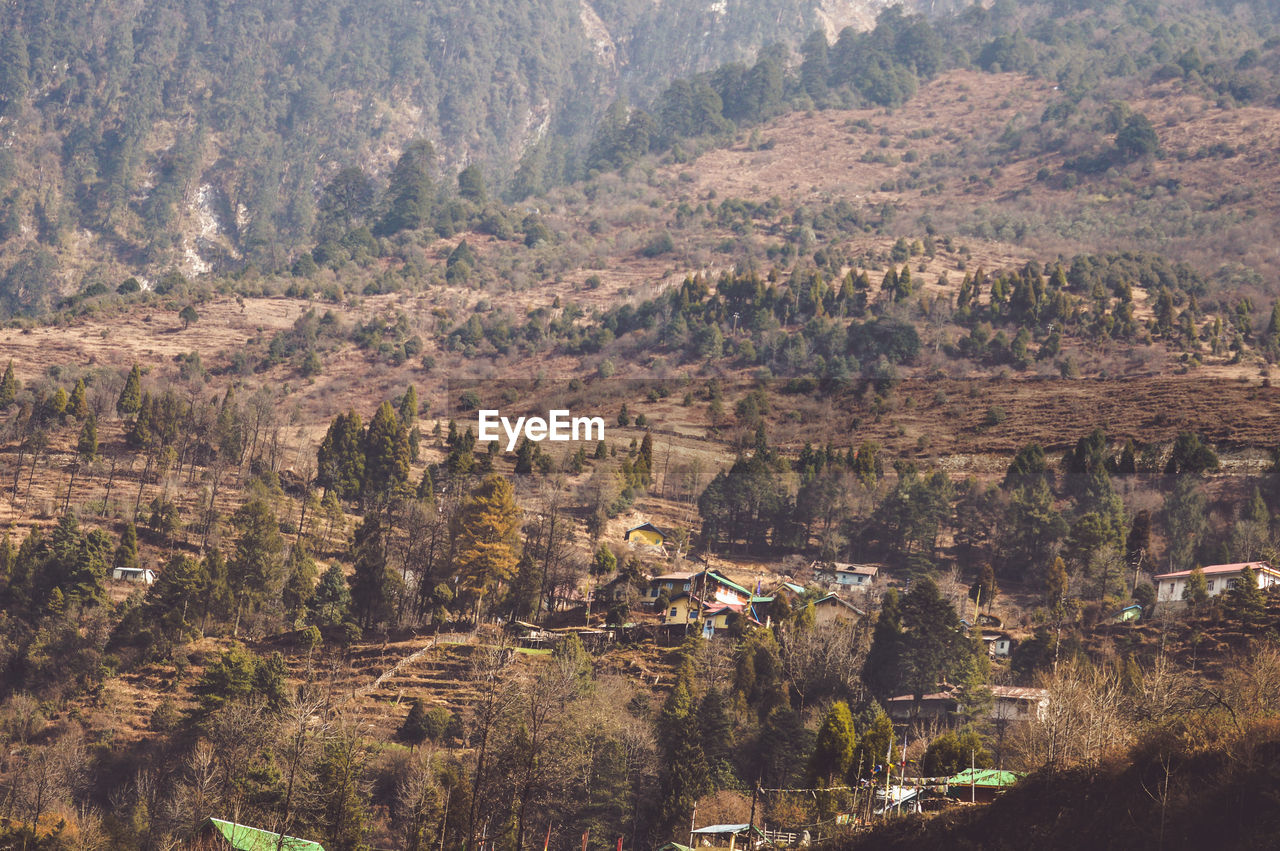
(1018, 703)
(1218, 577)
(842, 576)
(1009, 703)
(140, 575)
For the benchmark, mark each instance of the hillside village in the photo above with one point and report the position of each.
(935, 499)
(687, 567)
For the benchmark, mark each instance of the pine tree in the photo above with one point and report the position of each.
(76, 564)
(934, 648)
(1271, 339)
(413, 731)
(1055, 586)
(875, 735)
(8, 386)
(683, 773)
(27, 564)
(471, 184)
(127, 553)
(881, 670)
(715, 732)
(426, 486)
(56, 404)
(524, 457)
(343, 811)
(386, 456)
(834, 748)
(375, 587)
(605, 562)
(340, 460)
(330, 605)
(408, 415)
(78, 405)
(299, 586)
(55, 603)
(488, 538)
(974, 696)
(215, 588)
(1186, 521)
(230, 428)
(408, 411)
(954, 751)
(87, 443)
(139, 435)
(170, 600)
(643, 467)
(1196, 591)
(409, 190)
(130, 400)
(984, 590)
(254, 568)
(1245, 600)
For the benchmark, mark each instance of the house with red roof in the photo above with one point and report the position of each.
(1218, 578)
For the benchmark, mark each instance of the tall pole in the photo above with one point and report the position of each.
(888, 772)
(902, 773)
(857, 785)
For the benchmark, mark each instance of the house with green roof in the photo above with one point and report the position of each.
(980, 785)
(219, 835)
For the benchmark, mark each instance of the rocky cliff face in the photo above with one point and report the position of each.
(657, 39)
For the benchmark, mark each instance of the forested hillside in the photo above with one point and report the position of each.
(206, 137)
(978, 307)
(190, 134)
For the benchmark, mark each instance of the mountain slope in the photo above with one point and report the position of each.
(198, 133)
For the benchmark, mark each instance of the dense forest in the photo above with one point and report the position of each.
(199, 137)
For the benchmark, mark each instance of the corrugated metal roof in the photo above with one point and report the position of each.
(984, 777)
(1019, 692)
(245, 838)
(723, 828)
(1219, 569)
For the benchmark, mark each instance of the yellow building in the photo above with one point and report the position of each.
(832, 609)
(681, 609)
(646, 534)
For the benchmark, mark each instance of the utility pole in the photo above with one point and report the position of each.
(888, 772)
(902, 772)
(857, 787)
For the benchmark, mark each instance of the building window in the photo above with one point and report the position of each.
(673, 612)
(1232, 583)
(686, 586)
(1211, 584)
